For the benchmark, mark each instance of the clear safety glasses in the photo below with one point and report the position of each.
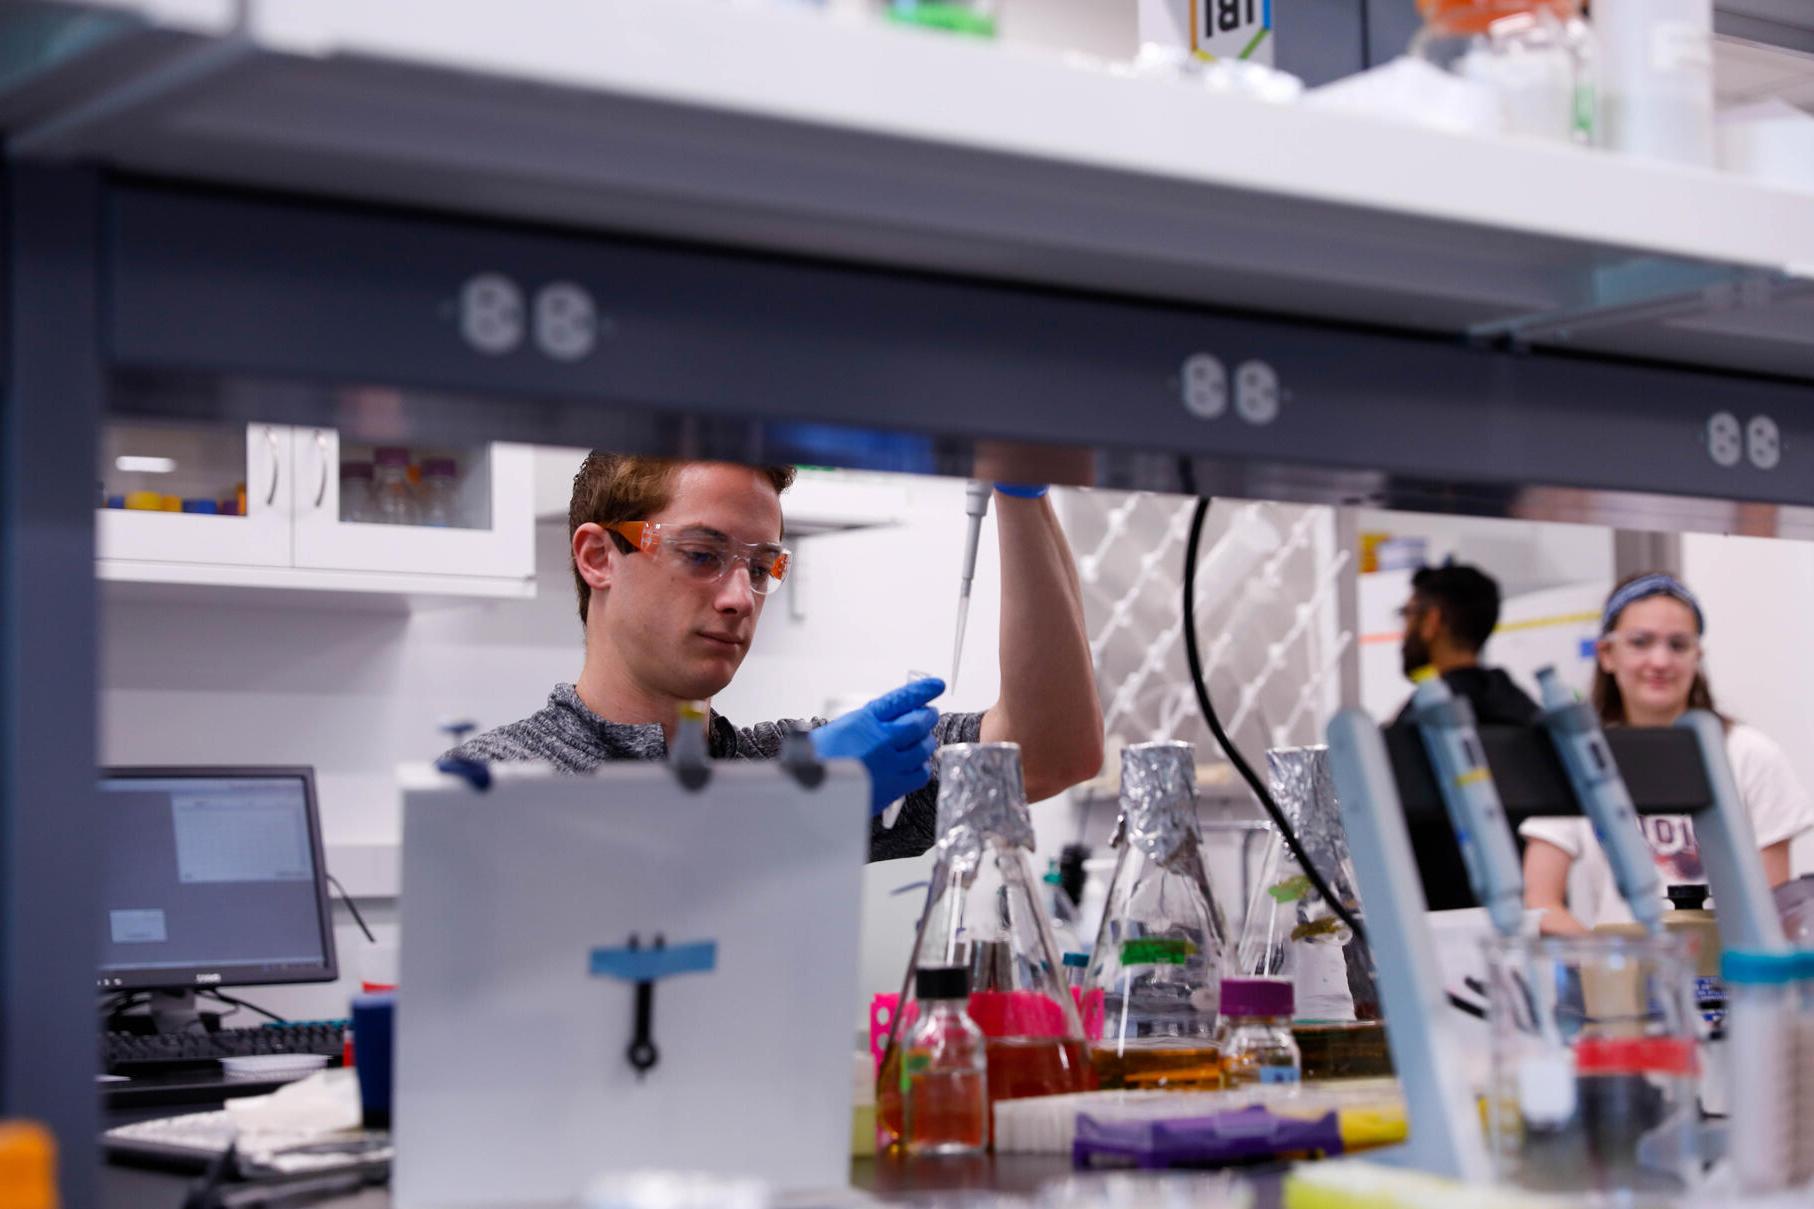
(706, 554)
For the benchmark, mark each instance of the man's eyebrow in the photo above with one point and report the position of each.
(704, 531)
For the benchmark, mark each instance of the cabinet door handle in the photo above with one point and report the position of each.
(276, 466)
(321, 451)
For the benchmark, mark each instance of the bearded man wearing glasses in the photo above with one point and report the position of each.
(673, 561)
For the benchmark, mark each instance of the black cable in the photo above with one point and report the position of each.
(1195, 659)
(1233, 753)
(351, 906)
(242, 1003)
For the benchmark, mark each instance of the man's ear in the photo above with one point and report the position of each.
(595, 555)
(1431, 624)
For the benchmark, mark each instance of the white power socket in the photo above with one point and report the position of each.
(1725, 439)
(1205, 384)
(1763, 443)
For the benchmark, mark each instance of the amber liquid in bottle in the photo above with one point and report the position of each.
(1191, 1066)
(1344, 1051)
(1018, 1067)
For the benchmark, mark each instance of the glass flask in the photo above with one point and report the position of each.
(355, 491)
(1153, 987)
(1290, 931)
(1538, 58)
(438, 502)
(985, 912)
(945, 1072)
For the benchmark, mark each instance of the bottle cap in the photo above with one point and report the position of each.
(355, 470)
(1748, 967)
(1257, 997)
(391, 455)
(942, 982)
(1687, 897)
(28, 1166)
(440, 467)
(1079, 961)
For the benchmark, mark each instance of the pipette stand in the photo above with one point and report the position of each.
(1381, 784)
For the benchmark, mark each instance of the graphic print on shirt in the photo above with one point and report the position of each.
(1678, 854)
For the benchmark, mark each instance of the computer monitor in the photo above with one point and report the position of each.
(212, 877)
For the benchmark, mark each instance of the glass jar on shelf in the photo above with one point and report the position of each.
(355, 491)
(1255, 1036)
(393, 495)
(439, 501)
(1539, 58)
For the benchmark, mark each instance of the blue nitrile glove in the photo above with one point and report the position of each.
(892, 735)
(1023, 491)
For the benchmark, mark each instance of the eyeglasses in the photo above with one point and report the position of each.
(1642, 642)
(707, 555)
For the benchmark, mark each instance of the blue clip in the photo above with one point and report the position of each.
(636, 964)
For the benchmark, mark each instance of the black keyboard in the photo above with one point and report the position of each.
(138, 1054)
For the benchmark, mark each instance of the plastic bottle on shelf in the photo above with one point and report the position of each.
(393, 498)
(1656, 78)
(945, 1069)
(440, 505)
(1257, 1045)
(1538, 57)
(356, 491)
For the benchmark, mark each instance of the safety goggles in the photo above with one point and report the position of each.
(706, 555)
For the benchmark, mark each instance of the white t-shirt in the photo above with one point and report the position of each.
(1780, 809)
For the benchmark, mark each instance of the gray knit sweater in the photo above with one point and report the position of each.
(569, 736)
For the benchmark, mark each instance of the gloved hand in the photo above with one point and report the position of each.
(892, 735)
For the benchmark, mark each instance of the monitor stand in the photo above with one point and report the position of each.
(163, 1012)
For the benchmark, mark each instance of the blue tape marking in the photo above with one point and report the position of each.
(647, 964)
(1588, 647)
(1268, 18)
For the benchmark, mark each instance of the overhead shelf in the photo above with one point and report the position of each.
(779, 128)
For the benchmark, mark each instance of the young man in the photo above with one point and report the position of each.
(673, 561)
(1452, 611)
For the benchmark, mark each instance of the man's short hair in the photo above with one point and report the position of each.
(613, 487)
(1467, 597)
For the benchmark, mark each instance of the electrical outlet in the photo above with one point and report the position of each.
(1256, 392)
(1205, 386)
(1763, 443)
(1725, 439)
(491, 313)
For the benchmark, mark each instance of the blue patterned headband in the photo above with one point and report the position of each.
(1646, 586)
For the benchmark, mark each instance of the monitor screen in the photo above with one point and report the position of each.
(212, 877)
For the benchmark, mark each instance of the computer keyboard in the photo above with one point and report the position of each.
(152, 1053)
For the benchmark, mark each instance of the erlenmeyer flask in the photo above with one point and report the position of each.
(1154, 984)
(1291, 932)
(985, 911)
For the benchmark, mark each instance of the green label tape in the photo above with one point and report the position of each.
(1156, 951)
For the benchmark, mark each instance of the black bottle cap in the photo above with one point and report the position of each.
(942, 982)
(1688, 897)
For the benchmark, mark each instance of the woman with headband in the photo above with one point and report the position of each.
(1648, 673)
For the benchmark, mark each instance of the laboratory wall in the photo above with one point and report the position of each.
(1759, 646)
(355, 686)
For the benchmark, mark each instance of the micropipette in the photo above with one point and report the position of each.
(976, 507)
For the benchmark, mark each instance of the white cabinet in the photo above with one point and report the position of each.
(272, 506)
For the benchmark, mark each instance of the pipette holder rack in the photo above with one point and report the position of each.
(1387, 786)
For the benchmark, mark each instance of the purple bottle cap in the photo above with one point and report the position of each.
(391, 455)
(439, 468)
(1257, 997)
(355, 470)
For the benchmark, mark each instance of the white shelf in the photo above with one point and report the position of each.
(201, 582)
(775, 127)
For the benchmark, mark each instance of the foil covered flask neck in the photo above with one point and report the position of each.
(980, 797)
(1159, 799)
